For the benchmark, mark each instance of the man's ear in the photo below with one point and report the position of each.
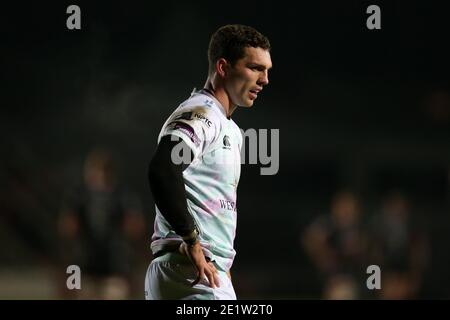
(222, 67)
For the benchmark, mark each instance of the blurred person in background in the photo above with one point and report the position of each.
(99, 221)
(399, 247)
(336, 244)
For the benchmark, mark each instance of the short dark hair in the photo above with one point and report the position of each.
(229, 41)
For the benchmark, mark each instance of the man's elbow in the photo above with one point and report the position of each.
(160, 170)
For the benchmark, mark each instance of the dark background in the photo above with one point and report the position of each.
(356, 108)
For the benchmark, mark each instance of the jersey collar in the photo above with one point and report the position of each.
(208, 93)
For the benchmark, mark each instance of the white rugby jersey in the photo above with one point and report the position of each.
(210, 180)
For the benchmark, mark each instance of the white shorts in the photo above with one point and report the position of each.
(169, 276)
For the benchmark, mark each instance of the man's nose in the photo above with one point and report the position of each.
(264, 79)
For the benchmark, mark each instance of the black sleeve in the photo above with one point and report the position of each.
(167, 186)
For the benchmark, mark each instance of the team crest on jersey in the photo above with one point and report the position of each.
(226, 142)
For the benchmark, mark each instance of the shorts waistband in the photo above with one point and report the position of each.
(173, 256)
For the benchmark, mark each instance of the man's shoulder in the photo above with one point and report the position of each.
(197, 107)
(199, 101)
(195, 117)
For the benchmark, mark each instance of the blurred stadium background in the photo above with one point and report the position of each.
(364, 120)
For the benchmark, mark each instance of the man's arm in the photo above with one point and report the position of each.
(167, 186)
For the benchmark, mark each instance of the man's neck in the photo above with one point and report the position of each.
(221, 95)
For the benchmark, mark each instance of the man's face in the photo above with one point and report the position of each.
(247, 77)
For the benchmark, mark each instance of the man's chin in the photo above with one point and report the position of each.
(247, 104)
